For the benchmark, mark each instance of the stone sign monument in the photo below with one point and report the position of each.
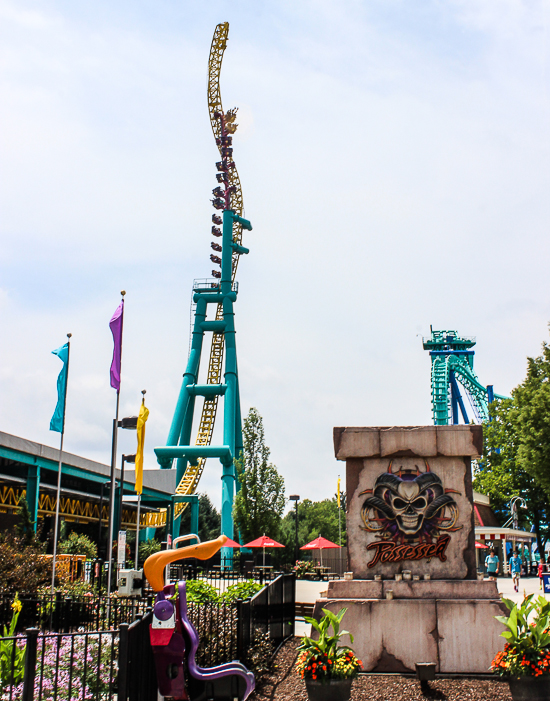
(415, 595)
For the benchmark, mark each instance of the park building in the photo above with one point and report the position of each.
(29, 470)
(490, 534)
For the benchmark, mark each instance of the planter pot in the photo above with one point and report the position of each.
(530, 688)
(332, 690)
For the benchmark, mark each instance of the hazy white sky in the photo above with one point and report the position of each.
(394, 157)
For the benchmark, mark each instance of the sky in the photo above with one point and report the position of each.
(394, 159)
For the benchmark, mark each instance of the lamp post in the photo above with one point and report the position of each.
(125, 459)
(295, 498)
(99, 535)
(514, 518)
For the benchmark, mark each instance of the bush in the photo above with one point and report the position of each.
(303, 567)
(147, 548)
(23, 568)
(78, 544)
(200, 592)
(243, 590)
(75, 589)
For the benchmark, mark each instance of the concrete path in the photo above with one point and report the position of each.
(308, 592)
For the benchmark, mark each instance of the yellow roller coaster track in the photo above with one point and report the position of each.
(190, 480)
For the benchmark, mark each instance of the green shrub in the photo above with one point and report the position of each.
(23, 567)
(78, 544)
(303, 567)
(147, 548)
(77, 589)
(243, 590)
(200, 592)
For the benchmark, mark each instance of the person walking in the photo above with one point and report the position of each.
(540, 572)
(492, 563)
(515, 569)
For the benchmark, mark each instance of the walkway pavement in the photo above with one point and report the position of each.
(307, 592)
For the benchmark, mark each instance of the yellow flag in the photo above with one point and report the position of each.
(142, 418)
(338, 492)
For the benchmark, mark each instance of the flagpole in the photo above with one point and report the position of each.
(143, 392)
(112, 493)
(339, 526)
(113, 465)
(137, 529)
(58, 493)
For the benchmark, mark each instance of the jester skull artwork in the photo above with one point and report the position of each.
(409, 506)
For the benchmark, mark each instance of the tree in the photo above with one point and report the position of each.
(209, 519)
(532, 399)
(25, 527)
(23, 566)
(78, 544)
(516, 459)
(260, 501)
(314, 518)
(147, 548)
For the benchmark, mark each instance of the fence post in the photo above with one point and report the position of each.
(122, 685)
(290, 600)
(240, 623)
(56, 611)
(30, 664)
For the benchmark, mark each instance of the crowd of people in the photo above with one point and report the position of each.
(492, 567)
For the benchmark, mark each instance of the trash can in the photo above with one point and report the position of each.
(546, 583)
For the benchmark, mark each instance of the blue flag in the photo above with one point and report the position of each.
(58, 419)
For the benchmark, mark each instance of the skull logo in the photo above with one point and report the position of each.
(407, 503)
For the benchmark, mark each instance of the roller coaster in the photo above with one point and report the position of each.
(221, 292)
(453, 364)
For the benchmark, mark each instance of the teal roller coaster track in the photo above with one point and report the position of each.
(453, 365)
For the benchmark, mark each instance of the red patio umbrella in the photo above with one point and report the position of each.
(321, 544)
(480, 545)
(263, 542)
(231, 544)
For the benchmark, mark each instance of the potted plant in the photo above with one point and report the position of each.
(525, 660)
(327, 667)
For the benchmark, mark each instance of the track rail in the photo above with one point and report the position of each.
(190, 480)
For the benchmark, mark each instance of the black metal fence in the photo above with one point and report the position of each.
(226, 631)
(59, 667)
(116, 665)
(73, 614)
(220, 578)
(137, 679)
(271, 611)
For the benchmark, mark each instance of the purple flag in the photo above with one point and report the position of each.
(116, 329)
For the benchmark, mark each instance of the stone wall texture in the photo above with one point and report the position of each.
(395, 510)
(410, 511)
